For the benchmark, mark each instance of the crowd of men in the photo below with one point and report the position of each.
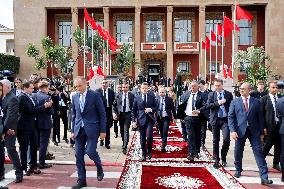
(256, 115)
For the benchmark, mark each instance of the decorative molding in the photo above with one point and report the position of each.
(213, 15)
(170, 9)
(138, 10)
(201, 9)
(106, 10)
(74, 10)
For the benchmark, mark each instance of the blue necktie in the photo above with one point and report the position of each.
(220, 112)
(193, 102)
(82, 102)
(162, 106)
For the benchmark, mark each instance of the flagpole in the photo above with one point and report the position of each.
(216, 30)
(109, 62)
(104, 56)
(92, 44)
(84, 47)
(210, 58)
(205, 57)
(223, 42)
(200, 52)
(233, 44)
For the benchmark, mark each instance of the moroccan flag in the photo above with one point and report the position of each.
(207, 41)
(229, 26)
(86, 15)
(230, 73)
(93, 24)
(91, 74)
(224, 72)
(242, 14)
(101, 32)
(220, 28)
(100, 71)
(214, 38)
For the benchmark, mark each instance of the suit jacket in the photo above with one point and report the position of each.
(199, 104)
(139, 106)
(93, 115)
(44, 117)
(117, 104)
(111, 97)
(239, 120)
(66, 101)
(10, 105)
(27, 110)
(268, 112)
(280, 114)
(257, 94)
(169, 106)
(212, 104)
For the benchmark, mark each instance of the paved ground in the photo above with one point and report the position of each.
(63, 173)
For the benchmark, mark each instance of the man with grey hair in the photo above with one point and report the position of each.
(10, 106)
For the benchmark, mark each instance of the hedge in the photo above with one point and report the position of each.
(9, 62)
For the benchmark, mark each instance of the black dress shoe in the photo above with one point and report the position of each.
(197, 156)
(2, 177)
(237, 174)
(143, 158)
(149, 156)
(44, 166)
(116, 135)
(19, 179)
(79, 185)
(101, 142)
(266, 182)
(124, 151)
(100, 175)
(107, 147)
(190, 158)
(277, 167)
(216, 165)
(4, 187)
(224, 163)
(66, 140)
(163, 149)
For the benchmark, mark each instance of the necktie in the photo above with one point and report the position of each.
(82, 102)
(220, 112)
(105, 98)
(162, 107)
(193, 102)
(246, 104)
(275, 101)
(145, 99)
(124, 103)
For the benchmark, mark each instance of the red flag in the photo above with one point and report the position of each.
(101, 32)
(93, 24)
(204, 45)
(207, 41)
(229, 26)
(230, 73)
(214, 38)
(224, 72)
(220, 28)
(91, 74)
(86, 15)
(100, 72)
(242, 14)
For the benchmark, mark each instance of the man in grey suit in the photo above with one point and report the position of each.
(245, 120)
(10, 106)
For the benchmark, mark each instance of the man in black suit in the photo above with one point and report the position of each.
(191, 110)
(27, 133)
(219, 103)
(260, 92)
(108, 96)
(143, 114)
(271, 123)
(44, 121)
(280, 115)
(10, 105)
(63, 108)
(115, 122)
(166, 111)
(122, 107)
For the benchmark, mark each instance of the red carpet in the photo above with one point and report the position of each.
(174, 149)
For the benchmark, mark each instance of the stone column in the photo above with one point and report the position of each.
(106, 27)
(137, 41)
(202, 34)
(236, 45)
(75, 50)
(170, 62)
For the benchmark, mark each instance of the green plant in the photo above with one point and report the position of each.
(252, 61)
(124, 59)
(9, 62)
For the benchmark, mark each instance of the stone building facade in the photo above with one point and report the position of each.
(165, 34)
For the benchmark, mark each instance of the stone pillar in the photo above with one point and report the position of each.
(137, 41)
(236, 45)
(106, 27)
(75, 50)
(170, 62)
(201, 25)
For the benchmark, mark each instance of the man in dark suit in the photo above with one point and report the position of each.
(191, 110)
(27, 133)
(88, 124)
(183, 127)
(10, 105)
(166, 112)
(280, 115)
(115, 122)
(260, 92)
(63, 108)
(271, 123)
(143, 114)
(108, 96)
(219, 102)
(122, 107)
(44, 121)
(245, 120)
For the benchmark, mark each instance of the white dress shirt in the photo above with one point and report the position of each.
(188, 110)
(127, 102)
(274, 105)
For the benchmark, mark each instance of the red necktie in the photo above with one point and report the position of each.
(246, 104)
